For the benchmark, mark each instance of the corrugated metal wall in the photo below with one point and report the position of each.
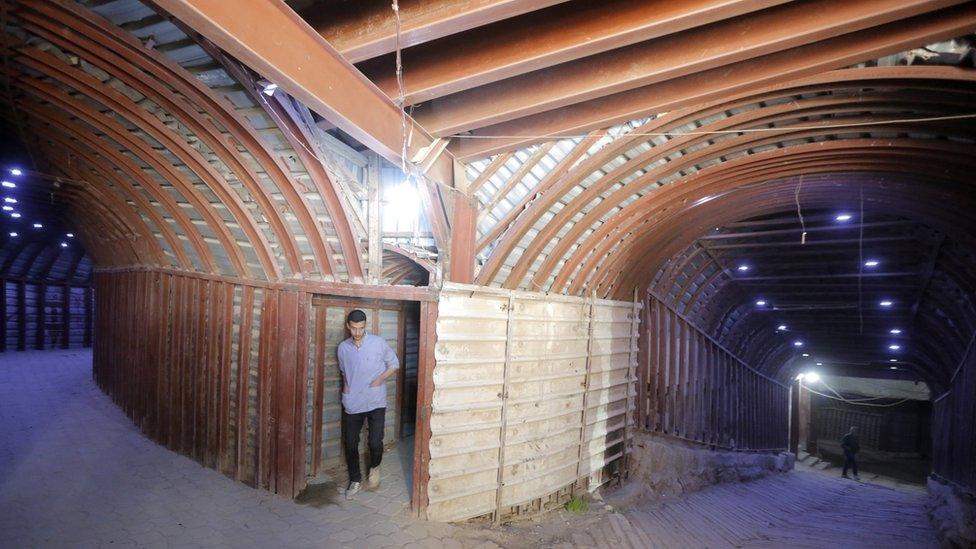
(698, 391)
(531, 399)
(44, 316)
(954, 427)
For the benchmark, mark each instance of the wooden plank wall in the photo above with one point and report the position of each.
(44, 316)
(954, 427)
(696, 390)
(530, 402)
(211, 369)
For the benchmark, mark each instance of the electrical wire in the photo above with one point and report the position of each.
(799, 212)
(853, 402)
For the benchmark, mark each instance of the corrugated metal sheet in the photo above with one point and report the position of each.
(531, 394)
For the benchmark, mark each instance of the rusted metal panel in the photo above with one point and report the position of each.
(508, 422)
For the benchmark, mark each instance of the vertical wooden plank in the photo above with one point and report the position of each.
(3, 315)
(89, 314)
(266, 384)
(213, 369)
(643, 360)
(40, 315)
(425, 392)
(65, 316)
(284, 422)
(176, 356)
(301, 391)
(243, 367)
(226, 351)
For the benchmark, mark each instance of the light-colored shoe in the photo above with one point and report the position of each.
(373, 481)
(353, 489)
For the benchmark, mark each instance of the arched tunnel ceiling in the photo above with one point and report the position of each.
(592, 163)
(193, 170)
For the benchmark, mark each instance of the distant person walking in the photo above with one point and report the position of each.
(365, 361)
(851, 447)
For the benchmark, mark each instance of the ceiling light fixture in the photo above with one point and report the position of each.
(843, 217)
(781, 328)
(9, 200)
(761, 302)
(13, 234)
(798, 343)
(892, 360)
(8, 208)
(15, 215)
(71, 235)
(9, 184)
(743, 268)
(806, 354)
(64, 244)
(895, 331)
(894, 347)
(871, 263)
(886, 303)
(38, 226)
(16, 171)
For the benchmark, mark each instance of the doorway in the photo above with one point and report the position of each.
(397, 322)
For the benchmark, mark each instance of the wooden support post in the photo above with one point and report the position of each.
(463, 239)
(631, 379)
(65, 316)
(510, 332)
(425, 394)
(40, 301)
(88, 309)
(3, 315)
(374, 219)
(586, 388)
(21, 316)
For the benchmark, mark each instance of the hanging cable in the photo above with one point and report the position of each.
(799, 212)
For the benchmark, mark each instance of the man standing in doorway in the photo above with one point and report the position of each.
(365, 361)
(851, 446)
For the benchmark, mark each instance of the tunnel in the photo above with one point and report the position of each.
(641, 264)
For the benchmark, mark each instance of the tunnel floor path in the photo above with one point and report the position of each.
(75, 472)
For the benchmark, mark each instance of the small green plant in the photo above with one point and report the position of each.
(577, 505)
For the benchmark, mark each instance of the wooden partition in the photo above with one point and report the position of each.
(696, 390)
(213, 370)
(37, 315)
(532, 399)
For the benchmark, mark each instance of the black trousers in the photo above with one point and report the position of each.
(352, 424)
(850, 461)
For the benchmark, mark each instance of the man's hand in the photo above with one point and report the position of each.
(378, 381)
(345, 388)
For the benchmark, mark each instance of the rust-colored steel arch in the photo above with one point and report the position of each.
(115, 130)
(683, 223)
(513, 228)
(112, 160)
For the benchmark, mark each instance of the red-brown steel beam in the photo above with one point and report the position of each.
(542, 39)
(312, 71)
(744, 76)
(718, 182)
(690, 52)
(367, 28)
